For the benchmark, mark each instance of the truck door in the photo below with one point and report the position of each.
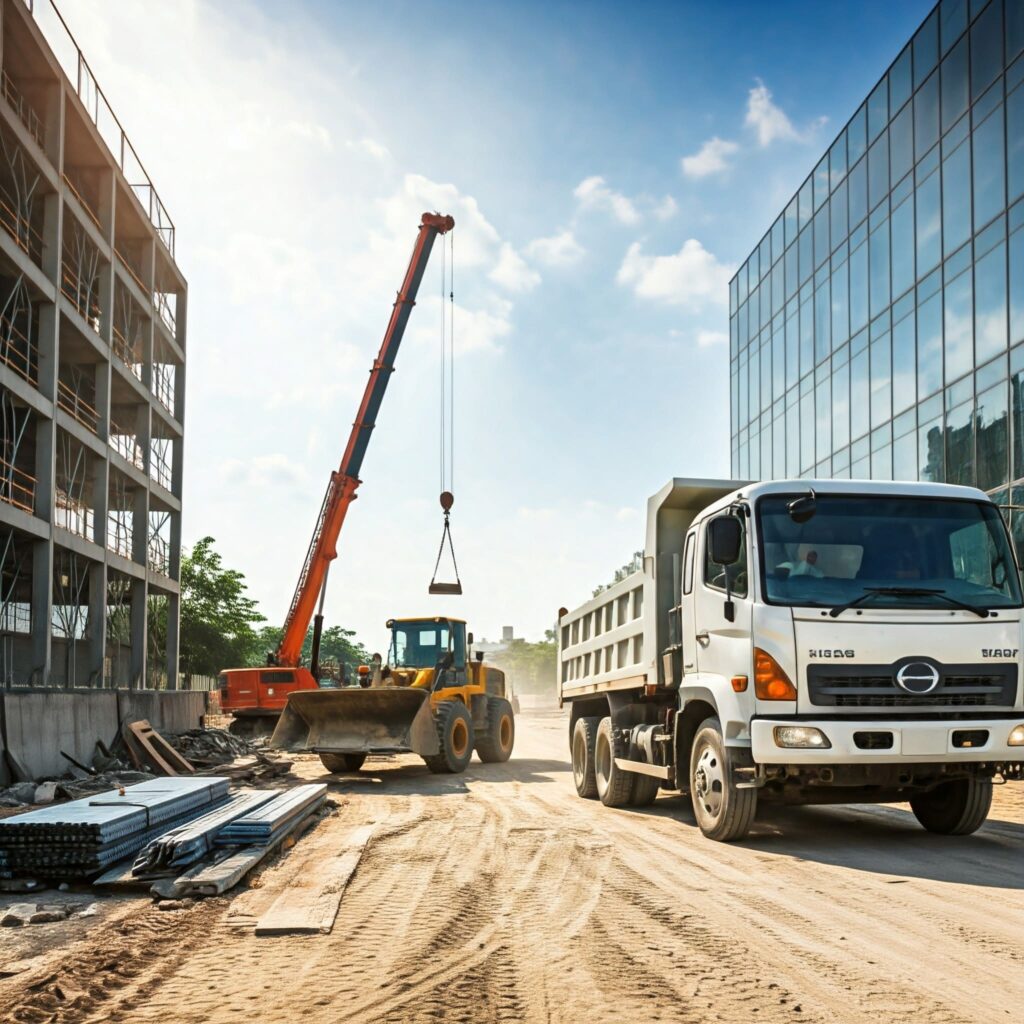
(689, 627)
(723, 647)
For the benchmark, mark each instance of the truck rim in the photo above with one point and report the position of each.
(579, 758)
(505, 732)
(602, 760)
(709, 781)
(460, 737)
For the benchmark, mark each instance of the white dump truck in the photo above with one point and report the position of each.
(803, 642)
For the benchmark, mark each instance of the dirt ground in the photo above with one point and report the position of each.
(501, 896)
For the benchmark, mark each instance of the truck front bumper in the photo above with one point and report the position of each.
(917, 742)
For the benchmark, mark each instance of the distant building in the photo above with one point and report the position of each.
(877, 330)
(92, 379)
(492, 647)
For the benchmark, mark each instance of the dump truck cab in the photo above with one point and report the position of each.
(256, 696)
(428, 696)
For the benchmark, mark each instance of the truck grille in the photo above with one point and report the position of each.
(874, 686)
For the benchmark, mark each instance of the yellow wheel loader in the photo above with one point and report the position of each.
(428, 697)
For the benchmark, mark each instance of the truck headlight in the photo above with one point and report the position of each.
(1016, 738)
(801, 736)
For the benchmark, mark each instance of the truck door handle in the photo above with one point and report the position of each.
(703, 638)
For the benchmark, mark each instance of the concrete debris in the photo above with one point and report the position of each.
(211, 746)
(19, 914)
(45, 792)
(174, 904)
(19, 793)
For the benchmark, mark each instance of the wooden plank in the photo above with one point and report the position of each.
(150, 746)
(310, 904)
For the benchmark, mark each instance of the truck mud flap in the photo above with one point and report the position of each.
(380, 720)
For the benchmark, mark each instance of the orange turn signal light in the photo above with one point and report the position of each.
(739, 684)
(363, 670)
(770, 682)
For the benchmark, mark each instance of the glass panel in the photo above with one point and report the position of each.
(990, 304)
(899, 80)
(926, 48)
(856, 136)
(956, 199)
(1015, 150)
(904, 457)
(879, 262)
(793, 441)
(904, 364)
(929, 345)
(952, 21)
(792, 274)
(986, 49)
(930, 451)
(821, 246)
(778, 296)
(777, 241)
(1016, 287)
(858, 193)
(929, 225)
(860, 395)
(823, 421)
(840, 307)
(881, 380)
(793, 347)
(806, 203)
(841, 407)
(878, 109)
(822, 186)
(926, 117)
(903, 247)
(1014, 30)
(959, 349)
(778, 363)
(989, 197)
(878, 171)
(807, 431)
(806, 337)
(837, 160)
(806, 246)
(993, 437)
(1017, 406)
(881, 463)
(901, 144)
(766, 373)
(837, 215)
(791, 223)
(858, 289)
(822, 322)
(960, 444)
(955, 90)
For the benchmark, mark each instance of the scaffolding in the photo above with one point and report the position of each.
(70, 620)
(70, 509)
(80, 273)
(160, 454)
(18, 184)
(73, 384)
(17, 325)
(117, 668)
(120, 514)
(15, 601)
(127, 330)
(158, 549)
(17, 487)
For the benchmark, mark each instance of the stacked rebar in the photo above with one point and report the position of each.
(180, 847)
(85, 836)
(274, 819)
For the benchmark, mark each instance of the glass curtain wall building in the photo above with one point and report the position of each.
(877, 331)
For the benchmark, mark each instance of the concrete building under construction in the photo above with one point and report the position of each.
(92, 379)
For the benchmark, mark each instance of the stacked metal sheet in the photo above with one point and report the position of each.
(85, 836)
(184, 845)
(274, 819)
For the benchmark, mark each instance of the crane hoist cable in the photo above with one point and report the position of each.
(447, 453)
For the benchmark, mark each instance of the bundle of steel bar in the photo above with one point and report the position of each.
(184, 845)
(273, 819)
(84, 836)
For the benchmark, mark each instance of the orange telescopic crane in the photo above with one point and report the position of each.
(256, 696)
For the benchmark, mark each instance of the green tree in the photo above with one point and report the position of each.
(218, 618)
(530, 667)
(338, 646)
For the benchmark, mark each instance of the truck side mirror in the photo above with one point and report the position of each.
(725, 536)
(469, 639)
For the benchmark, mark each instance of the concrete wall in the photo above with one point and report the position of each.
(38, 724)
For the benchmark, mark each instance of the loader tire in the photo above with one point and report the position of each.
(723, 812)
(614, 786)
(455, 736)
(584, 735)
(496, 742)
(645, 790)
(955, 808)
(343, 762)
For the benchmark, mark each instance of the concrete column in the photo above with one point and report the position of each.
(42, 612)
(148, 274)
(173, 633)
(97, 623)
(52, 228)
(53, 125)
(99, 499)
(138, 635)
(107, 204)
(106, 299)
(140, 526)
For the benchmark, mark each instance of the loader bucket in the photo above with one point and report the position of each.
(380, 720)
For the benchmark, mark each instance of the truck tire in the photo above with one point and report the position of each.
(955, 808)
(645, 790)
(723, 812)
(614, 786)
(496, 741)
(455, 736)
(584, 734)
(343, 762)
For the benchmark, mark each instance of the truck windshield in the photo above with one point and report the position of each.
(907, 545)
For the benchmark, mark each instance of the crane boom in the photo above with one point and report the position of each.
(344, 481)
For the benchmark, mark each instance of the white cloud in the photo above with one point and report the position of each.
(666, 209)
(593, 193)
(512, 272)
(768, 120)
(707, 338)
(310, 132)
(692, 277)
(561, 250)
(263, 472)
(711, 158)
(370, 147)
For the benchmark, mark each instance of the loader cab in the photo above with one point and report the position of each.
(430, 643)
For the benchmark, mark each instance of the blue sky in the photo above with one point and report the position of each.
(608, 166)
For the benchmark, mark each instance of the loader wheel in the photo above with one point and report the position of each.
(455, 735)
(343, 762)
(495, 744)
(723, 812)
(955, 808)
(584, 735)
(645, 790)
(614, 786)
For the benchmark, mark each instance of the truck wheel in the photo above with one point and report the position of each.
(343, 762)
(614, 786)
(645, 790)
(455, 735)
(495, 743)
(723, 812)
(955, 808)
(584, 734)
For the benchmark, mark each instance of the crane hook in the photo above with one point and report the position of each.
(447, 501)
